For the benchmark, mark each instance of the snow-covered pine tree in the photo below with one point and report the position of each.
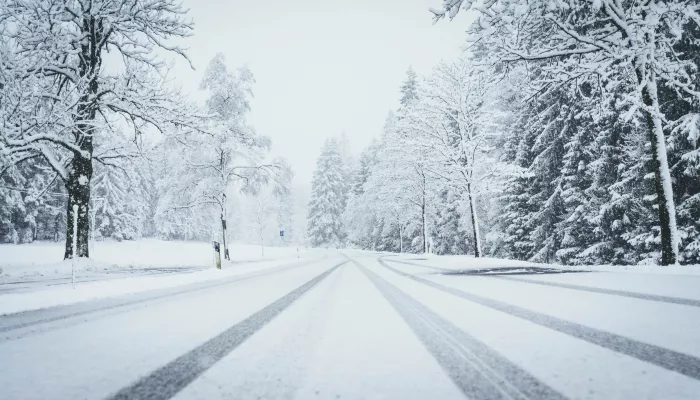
(577, 232)
(615, 205)
(630, 49)
(449, 233)
(349, 166)
(409, 88)
(324, 219)
(118, 205)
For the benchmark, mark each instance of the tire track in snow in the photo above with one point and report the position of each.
(168, 380)
(671, 360)
(614, 292)
(479, 371)
(592, 289)
(30, 319)
(421, 265)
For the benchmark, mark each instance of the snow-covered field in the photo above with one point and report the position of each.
(45, 258)
(33, 276)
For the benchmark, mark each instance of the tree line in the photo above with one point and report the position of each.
(568, 132)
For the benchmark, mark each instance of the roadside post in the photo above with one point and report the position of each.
(75, 242)
(217, 254)
(223, 235)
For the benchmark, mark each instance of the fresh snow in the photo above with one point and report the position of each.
(120, 268)
(43, 258)
(461, 262)
(363, 331)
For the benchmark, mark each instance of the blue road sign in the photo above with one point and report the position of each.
(281, 233)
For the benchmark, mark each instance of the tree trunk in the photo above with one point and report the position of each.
(475, 221)
(223, 236)
(662, 174)
(400, 237)
(78, 187)
(57, 224)
(664, 190)
(80, 171)
(425, 227)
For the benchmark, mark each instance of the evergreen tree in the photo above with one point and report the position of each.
(326, 205)
(449, 235)
(118, 204)
(409, 89)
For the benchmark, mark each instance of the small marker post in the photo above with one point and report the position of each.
(75, 242)
(217, 254)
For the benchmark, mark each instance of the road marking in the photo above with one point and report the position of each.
(168, 380)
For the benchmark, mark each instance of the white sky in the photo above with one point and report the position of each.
(321, 66)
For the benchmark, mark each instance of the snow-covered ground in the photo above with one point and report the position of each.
(356, 324)
(469, 262)
(44, 258)
(33, 276)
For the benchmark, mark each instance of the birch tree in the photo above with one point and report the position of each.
(228, 154)
(454, 121)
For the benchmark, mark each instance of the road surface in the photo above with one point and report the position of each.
(357, 325)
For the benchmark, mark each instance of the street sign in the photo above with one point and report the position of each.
(281, 233)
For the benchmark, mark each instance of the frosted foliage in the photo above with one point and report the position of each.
(326, 206)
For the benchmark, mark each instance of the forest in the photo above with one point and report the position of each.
(566, 133)
(94, 134)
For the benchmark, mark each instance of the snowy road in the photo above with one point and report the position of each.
(359, 325)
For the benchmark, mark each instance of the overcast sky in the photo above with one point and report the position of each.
(321, 66)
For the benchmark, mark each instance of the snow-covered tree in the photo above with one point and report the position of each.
(328, 188)
(409, 89)
(454, 121)
(629, 50)
(228, 154)
(394, 202)
(62, 97)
